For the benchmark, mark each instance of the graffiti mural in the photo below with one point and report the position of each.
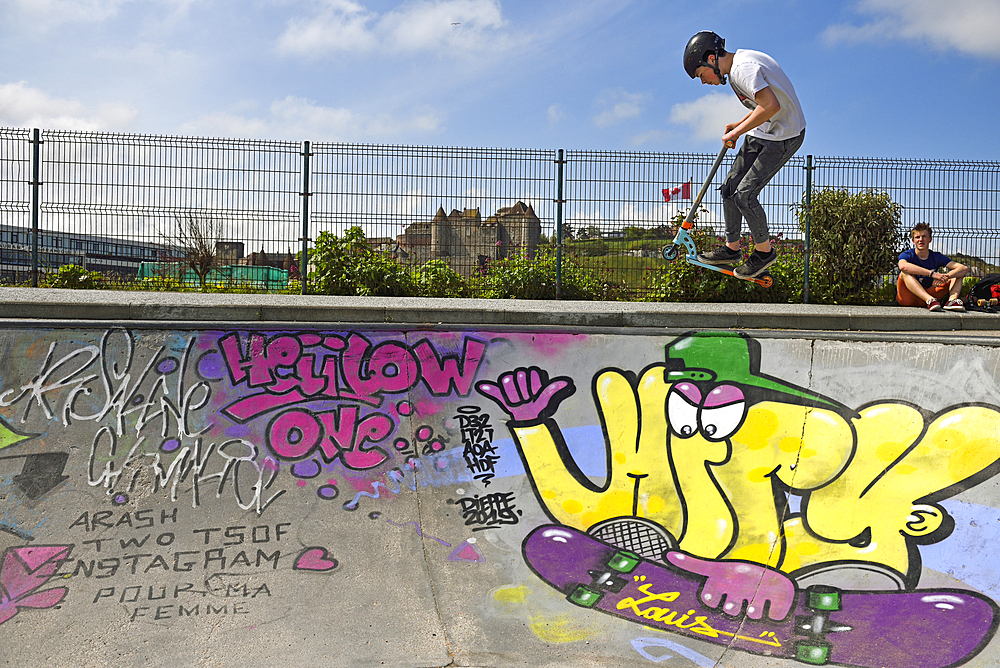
(715, 499)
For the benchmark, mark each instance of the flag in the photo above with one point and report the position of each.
(680, 192)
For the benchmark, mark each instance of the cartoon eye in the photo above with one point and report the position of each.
(719, 423)
(682, 414)
(722, 395)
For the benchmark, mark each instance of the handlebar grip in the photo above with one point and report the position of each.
(730, 144)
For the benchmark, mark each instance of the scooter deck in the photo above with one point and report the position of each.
(763, 279)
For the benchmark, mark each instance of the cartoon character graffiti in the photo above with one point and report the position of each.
(705, 455)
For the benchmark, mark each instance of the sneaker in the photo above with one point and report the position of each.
(721, 255)
(933, 305)
(756, 265)
(954, 305)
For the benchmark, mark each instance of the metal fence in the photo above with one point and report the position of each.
(960, 200)
(124, 204)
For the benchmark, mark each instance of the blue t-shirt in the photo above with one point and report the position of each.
(933, 261)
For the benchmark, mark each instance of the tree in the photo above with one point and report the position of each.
(196, 238)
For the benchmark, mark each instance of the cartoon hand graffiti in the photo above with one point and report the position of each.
(527, 394)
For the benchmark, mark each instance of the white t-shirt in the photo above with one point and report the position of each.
(753, 71)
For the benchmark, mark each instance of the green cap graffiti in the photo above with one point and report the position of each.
(732, 357)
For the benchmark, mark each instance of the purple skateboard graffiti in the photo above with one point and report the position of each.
(918, 629)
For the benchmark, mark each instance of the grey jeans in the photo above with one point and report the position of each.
(755, 165)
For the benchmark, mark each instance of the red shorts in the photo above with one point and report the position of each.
(907, 298)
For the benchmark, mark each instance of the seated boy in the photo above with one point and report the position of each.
(920, 283)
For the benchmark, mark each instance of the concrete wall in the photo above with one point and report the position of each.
(419, 497)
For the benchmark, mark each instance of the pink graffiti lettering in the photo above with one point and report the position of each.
(338, 434)
(389, 367)
(442, 375)
(291, 369)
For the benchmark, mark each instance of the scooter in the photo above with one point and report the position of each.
(683, 238)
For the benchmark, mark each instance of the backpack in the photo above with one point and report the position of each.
(985, 294)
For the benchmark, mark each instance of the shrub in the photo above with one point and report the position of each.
(161, 284)
(74, 277)
(437, 279)
(519, 277)
(855, 244)
(349, 266)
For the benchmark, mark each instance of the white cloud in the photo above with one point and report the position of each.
(647, 137)
(707, 116)
(968, 26)
(555, 114)
(68, 11)
(619, 106)
(463, 24)
(438, 25)
(24, 106)
(55, 12)
(341, 25)
(296, 117)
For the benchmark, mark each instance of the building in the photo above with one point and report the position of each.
(108, 255)
(130, 258)
(466, 241)
(284, 262)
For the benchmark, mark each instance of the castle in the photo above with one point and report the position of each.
(467, 242)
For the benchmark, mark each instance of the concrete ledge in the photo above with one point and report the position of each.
(50, 304)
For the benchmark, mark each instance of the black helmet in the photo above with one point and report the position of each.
(699, 48)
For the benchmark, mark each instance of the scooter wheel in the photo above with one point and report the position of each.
(670, 252)
(766, 281)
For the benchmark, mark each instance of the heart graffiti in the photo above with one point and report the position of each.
(315, 559)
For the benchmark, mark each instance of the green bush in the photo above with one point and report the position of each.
(437, 279)
(349, 266)
(855, 243)
(519, 277)
(161, 284)
(74, 277)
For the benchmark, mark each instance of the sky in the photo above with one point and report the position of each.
(876, 78)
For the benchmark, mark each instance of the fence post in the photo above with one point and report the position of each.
(36, 143)
(807, 225)
(306, 194)
(559, 221)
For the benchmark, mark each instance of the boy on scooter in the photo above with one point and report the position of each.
(774, 129)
